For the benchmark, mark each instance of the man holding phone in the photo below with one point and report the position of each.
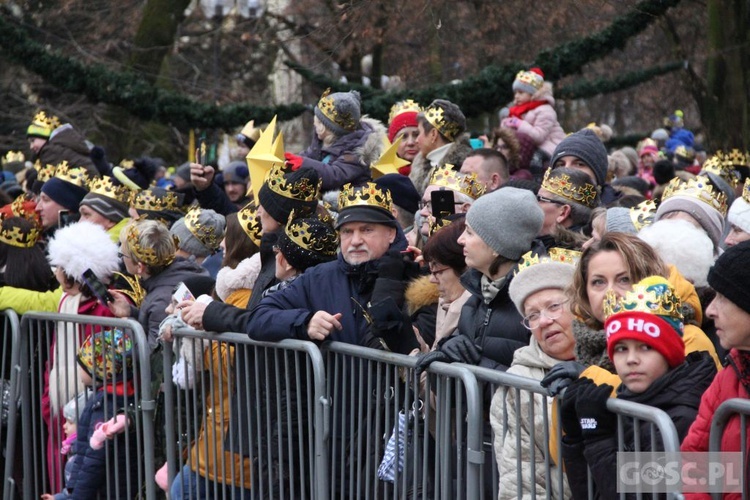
(448, 192)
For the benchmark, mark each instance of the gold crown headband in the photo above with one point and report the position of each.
(250, 223)
(298, 231)
(300, 190)
(718, 165)
(404, 107)
(205, 233)
(105, 187)
(643, 214)
(144, 254)
(367, 195)
(148, 200)
(73, 175)
(13, 156)
(530, 78)
(435, 116)
(561, 185)
(327, 106)
(467, 184)
(43, 124)
(554, 255)
(16, 237)
(737, 158)
(653, 295)
(698, 188)
(438, 223)
(43, 174)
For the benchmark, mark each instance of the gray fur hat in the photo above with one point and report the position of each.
(587, 146)
(340, 112)
(507, 220)
(200, 232)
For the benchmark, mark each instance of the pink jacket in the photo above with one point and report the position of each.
(541, 123)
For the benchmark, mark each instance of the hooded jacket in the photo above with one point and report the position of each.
(541, 123)
(234, 286)
(67, 144)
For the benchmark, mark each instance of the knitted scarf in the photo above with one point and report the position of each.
(591, 346)
(522, 109)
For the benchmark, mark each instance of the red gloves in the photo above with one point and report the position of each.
(293, 162)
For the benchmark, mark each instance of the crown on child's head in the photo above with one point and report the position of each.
(250, 223)
(327, 106)
(43, 124)
(653, 295)
(435, 116)
(698, 188)
(404, 107)
(301, 189)
(561, 185)
(467, 184)
(533, 77)
(367, 195)
(643, 214)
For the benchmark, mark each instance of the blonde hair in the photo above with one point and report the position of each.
(155, 238)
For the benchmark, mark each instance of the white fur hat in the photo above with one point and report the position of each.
(83, 245)
(739, 214)
(538, 277)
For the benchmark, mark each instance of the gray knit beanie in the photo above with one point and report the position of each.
(108, 207)
(585, 145)
(542, 276)
(619, 221)
(340, 112)
(507, 220)
(204, 237)
(710, 219)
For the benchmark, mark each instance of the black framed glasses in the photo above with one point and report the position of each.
(544, 199)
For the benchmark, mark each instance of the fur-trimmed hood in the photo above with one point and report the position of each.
(420, 293)
(544, 94)
(374, 146)
(421, 169)
(243, 276)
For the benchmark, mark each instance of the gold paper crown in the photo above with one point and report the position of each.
(530, 78)
(718, 165)
(467, 184)
(562, 185)
(301, 190)
(43, 174)
(251, 131)
(13, 156)
(653, 295)
(736, 158)
(367, 195)
(43, 125)
(746, 192)
(327, 106)
(435, 117)
(205, 233)
(438, 223)
(105, 187)
(555, 254)
(148, 200)
(147, 255)
(250, 223)
(126, 164)
(699, 188)
(404, 107)
(298, 232)
(643, 214)
(16, 237)
(685, 152)
(135, 292)
(73, 175)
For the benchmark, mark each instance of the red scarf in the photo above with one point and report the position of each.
(522, 109)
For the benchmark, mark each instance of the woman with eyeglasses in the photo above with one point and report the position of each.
(538, 292)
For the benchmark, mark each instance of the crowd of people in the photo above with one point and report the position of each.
(600, 273)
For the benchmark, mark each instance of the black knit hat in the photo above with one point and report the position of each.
(283, 192)
(585, 145)
(307, 242)
(403, 192)
(730, 275)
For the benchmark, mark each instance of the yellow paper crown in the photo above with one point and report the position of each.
(685, 152)
(736, 158)
(73, 175)
(367, 195)
(643, 214)
(205, 233)
(719, 165)
(746, 192)
(250, 223)
(301, 189)
(44, 173)
(698, 188)
(148, 200)
(561, 185)
(299, 232)
(653, 295)
(438, 223)
(13, 156)
(145, 254)
(403, 107)
(467, 184)
(530, 78)
(136, 292)
(435, 116)
(251, 131)
(105, 187)
(555, 254)
(15, 236)
(327, 106)
(43, 125)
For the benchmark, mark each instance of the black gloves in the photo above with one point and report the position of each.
(454, 349)
(397, 266)
(597, 422)
(568, 416)
(561, 375)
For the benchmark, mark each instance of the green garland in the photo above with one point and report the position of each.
(475, 95)
(590, 88)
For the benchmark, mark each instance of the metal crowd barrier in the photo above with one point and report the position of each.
(729, 409)
(50, 378)
(374, 395)
(273, 447)
(9, 373)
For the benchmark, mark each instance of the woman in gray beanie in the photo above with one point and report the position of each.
(200, 233)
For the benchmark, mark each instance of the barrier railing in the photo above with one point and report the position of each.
(50, 378)
(251, 422)
(729, 409)
(10, 375)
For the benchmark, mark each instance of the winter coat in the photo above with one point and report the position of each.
(530, 362)
(678, 393)
(91, 476)
(726, 385)
(234, 286)
(114, 231)
(422, 168)
(541, 122)
(348, 159)
(159, 289)
(22, 300)
(420, 299)
(67, 144)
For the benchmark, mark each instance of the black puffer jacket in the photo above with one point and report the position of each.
(66, 143)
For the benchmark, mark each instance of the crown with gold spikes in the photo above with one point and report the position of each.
(435, 116)
(135, 292)
(73, 175)
(327, 106)
(718, 165)
(43, 125)
(685, 152)
(438, 223)
(404, 107)
(145, 254)
(367, 195)
(43, 174)
(554, 255)
(561, 185)
(530, 78)
(301, 190)
(299, 232)
(206, 234)
(653, 295)
(467, 184)
(250, 223)
(736, 158)
(148, 200)
(16, 237)
(13, 156)
(699, 188)
(643, 214)
(105, 187)
(746, 192)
